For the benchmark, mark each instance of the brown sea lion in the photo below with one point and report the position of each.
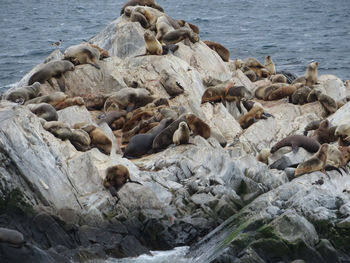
(252, 116)
(23, 94)
(150, 3)
(316, 163)
(59, 129)
(53, 98)
(216, 93)
(263, 92)
(141, 144)
(163, 26)
(314, 125)
(170, 84)
(325, 133)
(103, 53)
(111, 116)
(345, 151)
(143, 115)
(116, 177)
(52, 69)
(82, 54)
(256, 66)
(251, 75)
(118, 124)
(198, 126)
(79, 101)
(44, 110)
(182, 134)
(296, 141)
(80, 139)
(327, 102)
(223, 52)
(311, 75)
(270, 66)
(94, 101)
(193, 27)
(98, 138)
(282, 92)
(300, 95)
(139, 17)
(178, 35)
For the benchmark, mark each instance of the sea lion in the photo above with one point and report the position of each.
(290, 76)
(143, 115)
(153, 47)
(314, 125)
(264, 155)
(279, 78)
(239, 63)
(343, 131)
(334, 156)
(116, 177)
(216, 93)
(79, 101)
(236, 93)
(98, 138)
(24, 94)
(251, 75)
(282, 92)
(325, 133)
(44, 110)
(165, 137)
(141, 144)
(311, 75)
(53, 98)
(296, 141)
(257, 67)
(129, 98)
(198, 126)
(103, 53)
(316, 163)
(327, 102)
(59, 129)
(150, 3)
(249, 118)
(263, 92)
(52, 69)
(300, 95)
(178, 35)
(111, 117)
(163, 26)
(118, 124)
(139, 17)
(193, 27)
(80, 139)
(170, 84)
(12, 237)
(270, 65)
(345, 151)
(223, 52)
(82, 54)
(182, 134)
(94, 101)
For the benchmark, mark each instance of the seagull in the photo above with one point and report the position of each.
(57, 44)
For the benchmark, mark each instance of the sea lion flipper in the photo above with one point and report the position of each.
(61, 83)
(305, 133)
(136, 182)
(95, 65)
(330, 167)
(267, 115)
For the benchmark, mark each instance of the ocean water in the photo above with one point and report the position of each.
(292, 32)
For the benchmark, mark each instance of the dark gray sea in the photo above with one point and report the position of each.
(292, 32)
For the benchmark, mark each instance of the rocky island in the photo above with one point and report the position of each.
(74, 118)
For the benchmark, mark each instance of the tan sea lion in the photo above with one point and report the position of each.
(79, 101)
(282, 92)
(103, 53)
(53, 99)
(311, 75)
(216, 93)
(182, 134)
(178, 35)
(257, 67)
(94, 101)
(316, 163)
(264, 155)
(141, 144)
(80, 139)
(327, 102)
(82, 54)
(343, 131)
(223, 52)
(59, 129)
(250, 75)
(150, 3)
(143, 115)
(163, 26)
(52, 69)
(153, 47)
(44, 110)
(334, 156)
(270, 66)
(198, 126)
(263, 92)
(24, 94)
(116, 177)
(239, 63)
(345, 151)
(296, 141)
(98, 137)
(249, 118)
(170, 84)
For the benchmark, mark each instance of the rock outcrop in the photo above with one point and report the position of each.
(53, 194)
